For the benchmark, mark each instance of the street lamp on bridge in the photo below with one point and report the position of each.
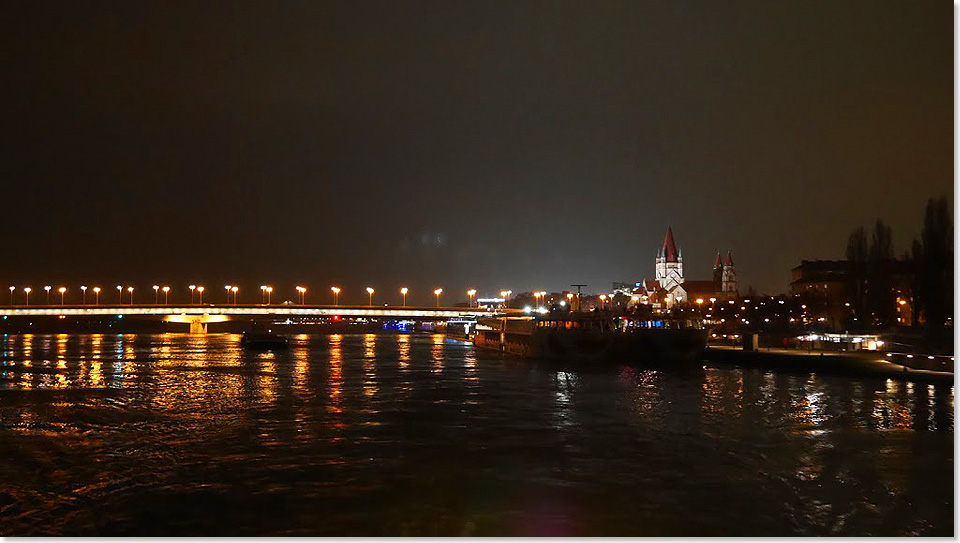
(403, 292)
(370, 293)
(47, 288)
(269, 292)
(96, 293)
(227, 288)
(62, 290)
(166, 294)
(11, 294)
(193, 289)
(234, 289)
(505, 294)
(156, 294)
(438, 292)
(130, 290)
(336, 295)
(303, 295)
(83, 295)
(27, 290)
(120, 294)
(200, 292)
(470, 294)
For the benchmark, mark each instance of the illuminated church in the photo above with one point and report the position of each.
(670, 287)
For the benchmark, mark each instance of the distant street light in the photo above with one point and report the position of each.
(301, 294)
(83, 290)
(193, 289)
(27, 290)
(370, 293)
(166, 294)
(47, 288)
(200, 293)
(120, 294)
(96, 293)
(603, 298)
(505, 294)
(11, 294)
(438, 292)
(130, 290)
(336, 295)
(263, 294)
(234, 289)
(403, 292)
(227, 288)
(269, 292)
(156, 294)
(470, 294)
(62, 290)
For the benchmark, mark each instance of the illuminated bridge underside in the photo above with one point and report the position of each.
(221, 313)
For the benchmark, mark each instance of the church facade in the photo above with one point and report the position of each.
(670, 287)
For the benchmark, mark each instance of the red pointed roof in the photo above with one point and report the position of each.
(669, 247)
(718, 263)
(729, 258)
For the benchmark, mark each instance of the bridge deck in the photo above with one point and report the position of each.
(252, 309)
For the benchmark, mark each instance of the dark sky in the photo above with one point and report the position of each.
(498, 145)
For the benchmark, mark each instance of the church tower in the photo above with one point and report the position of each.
(669, 271)
(718, 270)
(728, 275)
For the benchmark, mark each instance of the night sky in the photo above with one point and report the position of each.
(493, 145)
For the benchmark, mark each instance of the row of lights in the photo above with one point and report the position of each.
(196, 290)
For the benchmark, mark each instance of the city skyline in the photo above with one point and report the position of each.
(485, 145)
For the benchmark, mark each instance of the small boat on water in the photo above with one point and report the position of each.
(595, 338)
(263, 340)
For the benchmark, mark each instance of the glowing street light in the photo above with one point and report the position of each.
(156, 294)
(370, 293)
(120, 293)
(27, 290)
(130, 290)
(83, 290)
(302, 292)
(603, 298)
(96, 293)
(227, 288)
(438, 292)
(403, 292)
(62, 291)
(200, 292)
(47, 288)
(234, 289)
(263, 294)
(166, 294)
(470, 294)
(336, 295)
(505, 294)
(11, 294)
(269, 292)
(193, 289)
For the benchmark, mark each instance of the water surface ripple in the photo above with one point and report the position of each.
(381, 434)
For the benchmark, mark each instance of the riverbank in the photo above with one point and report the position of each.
(868, 364)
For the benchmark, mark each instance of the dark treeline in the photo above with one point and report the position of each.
(923, 275)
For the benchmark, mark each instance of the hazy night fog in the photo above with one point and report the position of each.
(492, 145)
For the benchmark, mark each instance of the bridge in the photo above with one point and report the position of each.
(198, 316)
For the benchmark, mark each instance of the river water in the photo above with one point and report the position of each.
(385, 434)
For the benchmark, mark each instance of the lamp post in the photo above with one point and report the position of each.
(301, 294)
(200, 292)
(470, 295)
(120, 294)
(193, 288)
(505, 294)
(234, 289)
(370, 293)
(130, 290)
(570, 300)
(263, 294)
(269, 292)
(166, 295)
(336, 295)
(83, 294)
(227, 288)
(603, 298)
(47, 288)
(438, 292)
(27, 290)
(11, 294)
(96, 294)
(156, 294)
(62, 291)
(403, 292)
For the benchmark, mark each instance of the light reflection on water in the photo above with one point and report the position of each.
(377, 434)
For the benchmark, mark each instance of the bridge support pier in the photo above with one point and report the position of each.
(198, 323)
(198, 327)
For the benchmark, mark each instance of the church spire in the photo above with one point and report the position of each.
(669, 247)
(729, 258)
(718, 263)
